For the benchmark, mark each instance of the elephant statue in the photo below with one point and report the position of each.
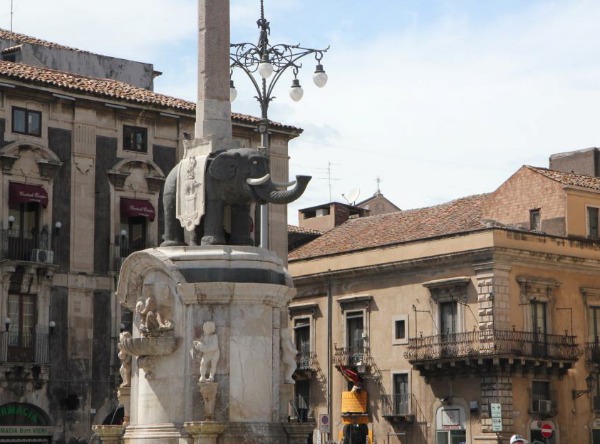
(236, 178)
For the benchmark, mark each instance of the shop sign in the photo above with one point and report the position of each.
(9, 430)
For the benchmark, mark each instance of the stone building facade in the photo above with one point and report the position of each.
(464, 322)
(82, 163)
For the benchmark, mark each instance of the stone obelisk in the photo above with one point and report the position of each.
(213, 108)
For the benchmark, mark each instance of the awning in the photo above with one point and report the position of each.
(21, 193)
(135, 207)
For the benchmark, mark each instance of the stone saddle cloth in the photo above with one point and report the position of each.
(190, 191)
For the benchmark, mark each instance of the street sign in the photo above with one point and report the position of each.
(496, 424)
(324, 425)
(496, 410)
(547, 430)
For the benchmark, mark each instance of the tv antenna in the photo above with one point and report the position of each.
(352, 196)
(11, 15)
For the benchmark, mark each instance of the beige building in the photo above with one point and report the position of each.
(463, 322)
(82, 163)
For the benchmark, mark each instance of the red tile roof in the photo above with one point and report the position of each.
(569, 179)
(22, 38)
(457, 216)
(109, 89)
(297, 229)
(75, 83)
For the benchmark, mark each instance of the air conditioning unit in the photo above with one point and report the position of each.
(542, 406)
(43, 256)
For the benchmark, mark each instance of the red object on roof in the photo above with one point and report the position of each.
(136, 207)
(22, 193)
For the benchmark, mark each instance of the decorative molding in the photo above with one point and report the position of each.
(117, 178)
(48, 168)
(535, 288)
(302, 309)
(450, 289)
(7, 161)
(354, 302)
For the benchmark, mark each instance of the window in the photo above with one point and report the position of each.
(592, 219)
(21, 311)
(535, 221)
(400, 329)
(595, 325)
(540, 396)
(25, 121)
(135, 139)
(401, 402)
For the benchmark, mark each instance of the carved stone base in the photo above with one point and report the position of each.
(297, 432)
(205, 432)
(167, 433)
(124, 396)
(208, 391)
(109, 434)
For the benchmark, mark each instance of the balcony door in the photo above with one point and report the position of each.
(355, 328)
(401, 394)
(135, 238)
(448, 328)
(21, 333)
(540, 328)
(302, 342)
(23, 235)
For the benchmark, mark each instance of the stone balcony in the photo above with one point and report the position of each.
(477, 352)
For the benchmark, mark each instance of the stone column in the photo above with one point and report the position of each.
(213, 110)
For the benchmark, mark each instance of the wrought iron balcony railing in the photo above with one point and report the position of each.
(36, 247)
(24, 347)
(592, 352)
(396, 405)
(490, 343)
(352, 356)
(305, 360)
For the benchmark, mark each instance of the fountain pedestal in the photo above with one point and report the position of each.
(174, 293)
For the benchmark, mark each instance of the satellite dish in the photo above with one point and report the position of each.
(351, 199)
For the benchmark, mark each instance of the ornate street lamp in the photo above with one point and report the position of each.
(589, 382)
(270, 62)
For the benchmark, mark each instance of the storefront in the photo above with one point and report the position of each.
(24, 423)
(450, 425)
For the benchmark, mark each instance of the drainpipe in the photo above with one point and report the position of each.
(329, 354)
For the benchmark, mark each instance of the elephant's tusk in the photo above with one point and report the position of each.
(284, 184)
(258, 181)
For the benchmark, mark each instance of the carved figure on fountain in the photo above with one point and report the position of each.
(208, 345)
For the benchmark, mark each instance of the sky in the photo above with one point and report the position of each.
(427, 100)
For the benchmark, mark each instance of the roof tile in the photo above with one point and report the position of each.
(457, 216)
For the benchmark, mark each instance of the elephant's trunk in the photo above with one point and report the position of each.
(270, 194)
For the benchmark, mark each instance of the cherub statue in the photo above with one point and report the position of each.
(208, 345)
(125, 358)
(288, 356)
(151, 322)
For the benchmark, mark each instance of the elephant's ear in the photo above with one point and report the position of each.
(224, 166)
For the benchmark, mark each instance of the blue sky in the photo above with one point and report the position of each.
(439, 98)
